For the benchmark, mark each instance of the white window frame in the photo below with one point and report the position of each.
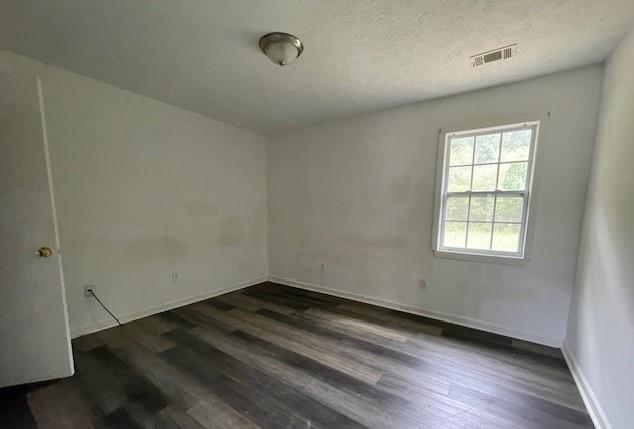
(441, 197)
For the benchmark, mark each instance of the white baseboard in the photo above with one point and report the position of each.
(99, 326)
(598, 416)
(451, 318)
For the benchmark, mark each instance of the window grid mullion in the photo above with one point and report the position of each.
(495, 202)
(485, 193)
(466, 233)
(497, 183)
(483, 221)
(472, 164)
(517, 161)
(466, 236)
(497, 176)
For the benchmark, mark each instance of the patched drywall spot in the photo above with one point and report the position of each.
(157, 248)
(245, 265)
(401, 189)
(376, 243)
(231, 231)
(200, 208)
(259, 225)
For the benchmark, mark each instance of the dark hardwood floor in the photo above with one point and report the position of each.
(272, 356)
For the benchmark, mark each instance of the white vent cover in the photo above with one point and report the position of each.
(503, 53)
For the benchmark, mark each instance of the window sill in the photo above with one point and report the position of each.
(474, 257)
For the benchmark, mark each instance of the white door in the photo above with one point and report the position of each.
(34, 335)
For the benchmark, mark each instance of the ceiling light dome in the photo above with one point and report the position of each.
(281, 48)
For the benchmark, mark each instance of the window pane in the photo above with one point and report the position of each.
(482, 208)
(461, 151)
(509, 208)
(516, 145)
(512, 176)
(484, 177)
(459, 179)
(487, 148)
(454, 235)
(479, 236)
(457, 208)
(506, 237)
(486, 184)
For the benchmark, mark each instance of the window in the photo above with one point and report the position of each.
(485, 191)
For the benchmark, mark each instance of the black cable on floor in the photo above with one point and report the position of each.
(104, 307)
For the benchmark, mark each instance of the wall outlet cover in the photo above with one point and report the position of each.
(88, 288)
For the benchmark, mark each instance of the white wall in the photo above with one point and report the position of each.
(144, 189)
(600, 338)
(357, 195)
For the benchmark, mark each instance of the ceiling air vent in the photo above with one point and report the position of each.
(503, 53)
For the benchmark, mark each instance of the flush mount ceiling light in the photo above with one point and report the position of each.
(281, 48)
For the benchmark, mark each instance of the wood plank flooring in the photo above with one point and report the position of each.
(272, 356)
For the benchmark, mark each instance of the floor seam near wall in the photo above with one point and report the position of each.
(105, 324)
(597, 414)
(450, 318)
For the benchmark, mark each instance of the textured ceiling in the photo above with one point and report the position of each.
(360, 55)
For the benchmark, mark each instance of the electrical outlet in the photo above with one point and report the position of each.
(174, 277)
(88, 289)
(422, 284)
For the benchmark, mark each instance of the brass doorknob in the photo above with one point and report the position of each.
(44, 252)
